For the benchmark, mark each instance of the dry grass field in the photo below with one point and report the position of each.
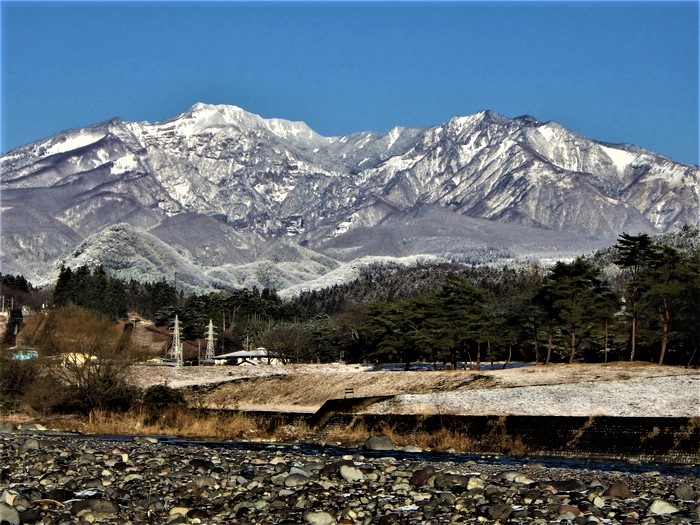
(623, 389)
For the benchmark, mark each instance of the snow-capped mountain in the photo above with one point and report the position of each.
(223, 187)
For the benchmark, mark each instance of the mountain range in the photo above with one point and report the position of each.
(225, 198)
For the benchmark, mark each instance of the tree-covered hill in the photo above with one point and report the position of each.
(637, 300)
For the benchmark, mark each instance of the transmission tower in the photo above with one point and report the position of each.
(176, 351)
(209, 356)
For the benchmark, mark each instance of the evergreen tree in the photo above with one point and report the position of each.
(457, 315)
(95, 290)
(665, 283)
(634, 253)
(81, 285)
(574, 292)
(114, 303)
(63, 294)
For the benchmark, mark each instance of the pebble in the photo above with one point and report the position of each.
(68, 479)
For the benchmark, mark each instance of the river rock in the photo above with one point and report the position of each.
(523, 479)
(319, 518)
(570, 509)
(349, 473)
(382, 442)
(618, 491)
(30, 516)
(29, 444)
(138, 483)
(94, 505)
(146, 439)
(333, 467)
(33, 427)
(568, 485)
(420, 477)
(684, 492)
(179, 511)
(499, 512)
(659, 507)
(295, 480)
(59, 494)
(9, 514)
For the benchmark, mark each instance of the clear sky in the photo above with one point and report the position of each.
(613, 71)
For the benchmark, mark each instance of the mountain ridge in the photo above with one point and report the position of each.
(245, 183)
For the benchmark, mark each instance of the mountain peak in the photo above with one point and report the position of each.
(217, 115)
(202, 116)
(492, 116)
(528, 120)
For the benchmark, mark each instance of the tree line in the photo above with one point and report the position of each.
(638, 300)
(642, 303)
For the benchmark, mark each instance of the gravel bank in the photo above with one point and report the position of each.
(63, 480)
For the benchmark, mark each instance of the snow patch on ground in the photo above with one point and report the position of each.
(620, 158)
(124, 164)
(74, 142)
(548, 131)
(677, 396)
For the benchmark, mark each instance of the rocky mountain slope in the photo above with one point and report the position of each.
(227, 198)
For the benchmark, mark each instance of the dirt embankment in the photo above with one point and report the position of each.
(619, 389)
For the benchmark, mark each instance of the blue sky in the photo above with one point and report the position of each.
(613, 71)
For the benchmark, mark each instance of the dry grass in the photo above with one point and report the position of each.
(174, 421)
(689, 430)
(442, 439)
(309, 389)
(186, 424)
(353, 435)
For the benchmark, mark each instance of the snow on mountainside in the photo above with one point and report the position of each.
(224, 188)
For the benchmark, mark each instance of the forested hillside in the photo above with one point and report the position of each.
(638, 300)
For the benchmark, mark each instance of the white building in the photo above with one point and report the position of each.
(259, 356)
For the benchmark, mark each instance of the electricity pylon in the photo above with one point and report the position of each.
(209, 355)
(176, 351)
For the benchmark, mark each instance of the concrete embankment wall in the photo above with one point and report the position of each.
(653, 437)
(663, 438)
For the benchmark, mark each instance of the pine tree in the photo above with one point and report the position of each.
(665, 283)
(634, 253)
(574, 292)
(63, 294)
